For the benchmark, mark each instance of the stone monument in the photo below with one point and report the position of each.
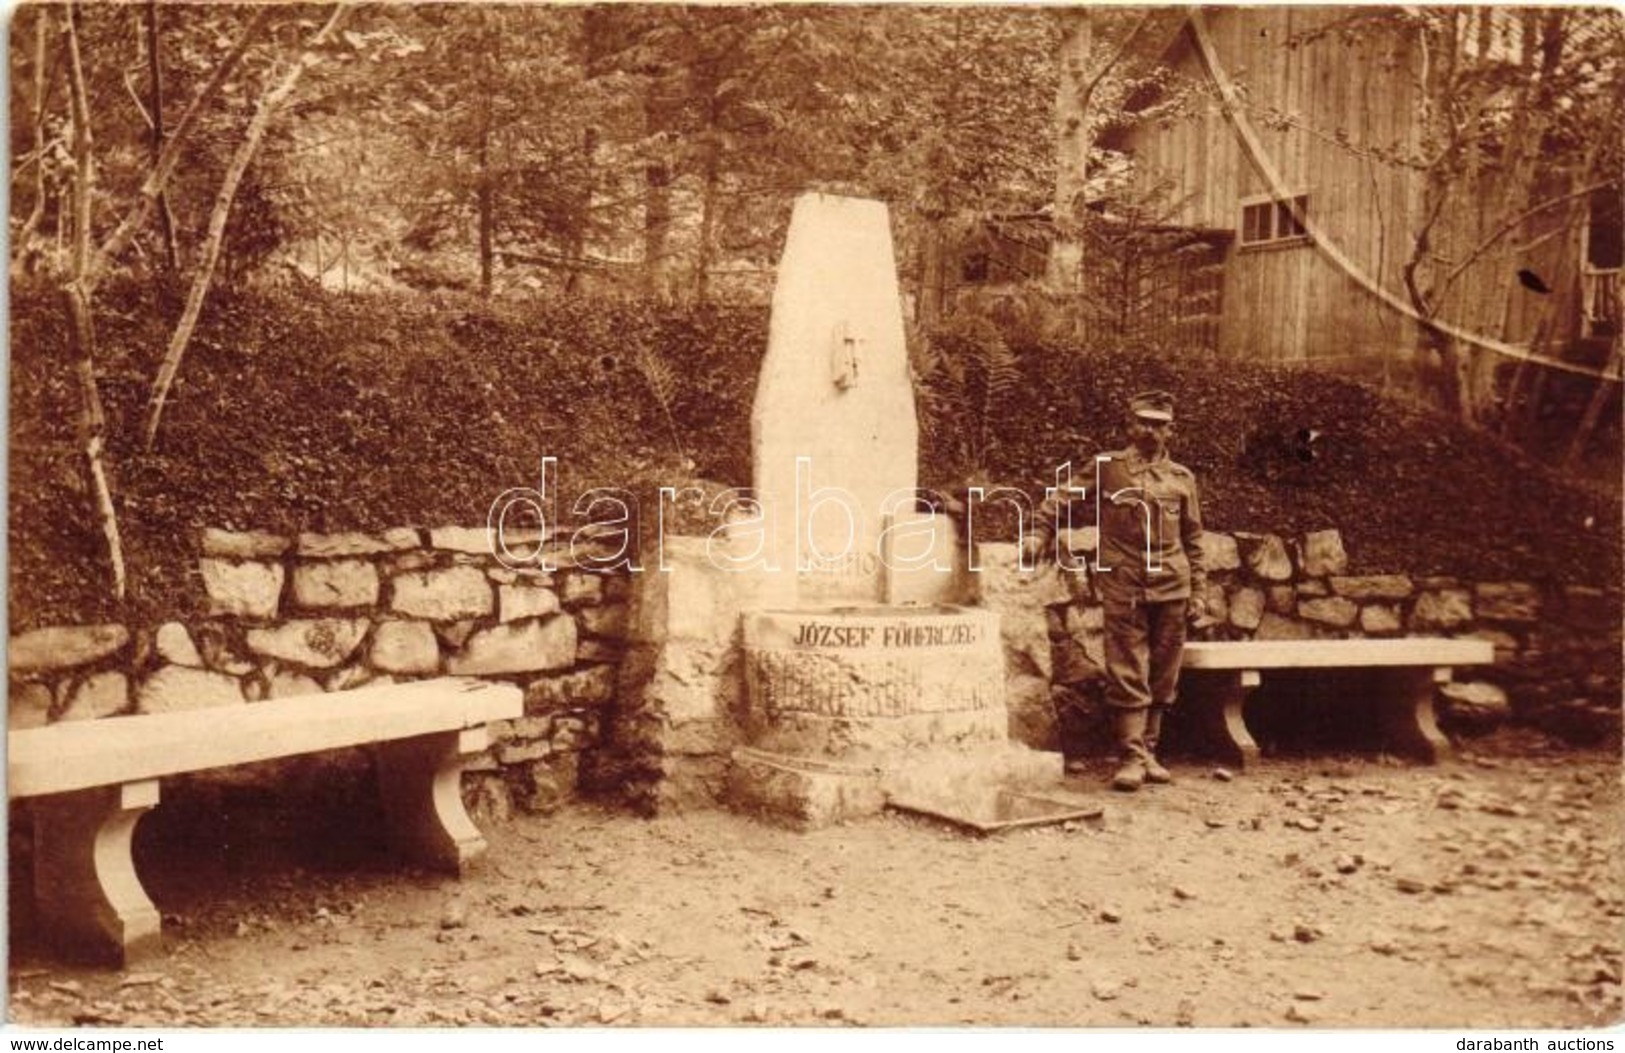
(867, 674)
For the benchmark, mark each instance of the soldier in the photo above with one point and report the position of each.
(1149, 574)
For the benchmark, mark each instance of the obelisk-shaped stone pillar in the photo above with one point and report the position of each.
(834, 438)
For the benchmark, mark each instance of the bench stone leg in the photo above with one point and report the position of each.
(91, 904)
(1217, 698)
(1408, 722)
(420, 780)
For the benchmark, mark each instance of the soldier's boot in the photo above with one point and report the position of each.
(1070, 726)
(1130, 726)
(1154, 771)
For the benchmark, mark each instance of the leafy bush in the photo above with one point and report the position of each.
(299, 411)
(309, 412)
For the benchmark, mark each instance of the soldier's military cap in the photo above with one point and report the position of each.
(1152, 405)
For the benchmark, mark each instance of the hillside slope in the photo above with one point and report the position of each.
(299, 411)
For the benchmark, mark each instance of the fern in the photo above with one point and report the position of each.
(966, 374)
(661, 380)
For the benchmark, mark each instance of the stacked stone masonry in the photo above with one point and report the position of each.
(327, 612)
(1557, 646)
(634, 684)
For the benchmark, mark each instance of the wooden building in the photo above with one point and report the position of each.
(1301, 145)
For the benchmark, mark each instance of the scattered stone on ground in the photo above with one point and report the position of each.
(1396, 912)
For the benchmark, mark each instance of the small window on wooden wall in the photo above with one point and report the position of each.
(1271, 219)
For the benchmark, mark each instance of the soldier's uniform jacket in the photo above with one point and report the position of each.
(1136, 493)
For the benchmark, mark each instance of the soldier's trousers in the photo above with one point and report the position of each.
(1144, 642)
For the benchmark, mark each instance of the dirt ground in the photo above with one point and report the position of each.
(1321, 893)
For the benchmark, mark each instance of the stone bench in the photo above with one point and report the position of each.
(1396, 677)
(93, 780)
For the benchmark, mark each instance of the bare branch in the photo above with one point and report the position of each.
(155, 78)
(37, 213)
(1478, 251)
(76, 291)
(171, 154)
(1420, 246)
(135, 97)
(210, 254)
(1088, 89)
(83, 159)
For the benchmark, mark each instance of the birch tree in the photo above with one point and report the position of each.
(104, 205)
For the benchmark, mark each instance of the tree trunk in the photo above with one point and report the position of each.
(656, 225)
(932, 253)
(485, 204)
(92, 425)
(710, 179)
(1072, 144)
(30, 228)
(216, 236)
(93, 431)
(155, 78)
(581, 221)
(1607, 388)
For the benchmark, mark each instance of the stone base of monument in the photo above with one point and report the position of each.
(996, 809)
(850, 708)
(808, 792)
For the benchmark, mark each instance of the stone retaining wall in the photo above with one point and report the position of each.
(1557, 647)
(633, 683)
(325, 612)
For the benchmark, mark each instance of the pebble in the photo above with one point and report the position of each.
(1223, 774)
(1410, 886)
(1181, 892)
(1111, 915)
(1346, 864)
(581, 970)
(1074, 953)
(455, 915)
(1105, 990)
(141, 979)
(1304, 822)
(1296, 1014)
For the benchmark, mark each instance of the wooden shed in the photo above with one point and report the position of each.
(1302, 142)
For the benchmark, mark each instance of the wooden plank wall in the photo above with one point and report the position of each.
(1290, 303)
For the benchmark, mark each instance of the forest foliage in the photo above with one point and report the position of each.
(278, 263)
